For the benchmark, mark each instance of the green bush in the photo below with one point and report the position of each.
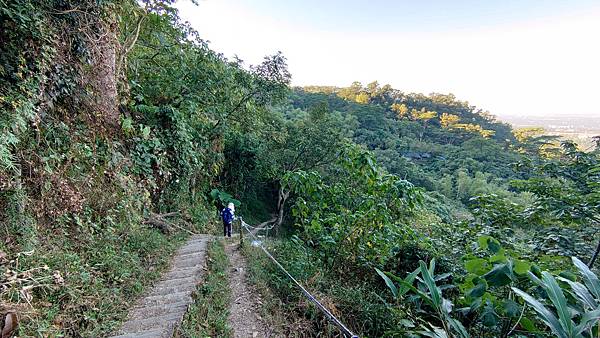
(354, 300)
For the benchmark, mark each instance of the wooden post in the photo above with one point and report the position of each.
(241, 232)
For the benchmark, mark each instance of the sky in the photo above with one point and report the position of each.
(519, 58)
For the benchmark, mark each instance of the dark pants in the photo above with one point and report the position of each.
(226, 229)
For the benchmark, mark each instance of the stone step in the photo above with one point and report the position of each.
(194, 240)
(151, 323)
(186, 263)
(192, 249)
(161, 310)
(183, 272)
(191, 255)
(171, 288)
(166, 299)
(158, 310)
(182, 280)
(156, 333)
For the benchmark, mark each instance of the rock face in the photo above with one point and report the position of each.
(157, 313)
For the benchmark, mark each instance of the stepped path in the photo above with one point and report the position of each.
(157, 313)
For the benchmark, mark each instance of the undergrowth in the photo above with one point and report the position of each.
(83, 286)
(207, 316)
(354, 302)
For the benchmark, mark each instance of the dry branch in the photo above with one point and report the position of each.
(160, 222)
(266, 223)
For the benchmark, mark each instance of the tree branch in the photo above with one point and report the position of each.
(242, 101)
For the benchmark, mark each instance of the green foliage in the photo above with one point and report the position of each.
(574, 316)
(428, 292)
(75, 189)
(490, 288)
(353, 300)
(420, 138)
(495, 211)
(289, 140)
(346, 216)
(223, 198)
(491, 271)
(67, 177)
(567, 189)
(359, 213)
(21, 72)
(188, 99)
(308, 141)
(208, 315)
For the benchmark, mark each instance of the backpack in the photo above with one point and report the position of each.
(227, 215)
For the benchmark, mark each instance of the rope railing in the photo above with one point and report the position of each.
(326, 312)
(260, 228)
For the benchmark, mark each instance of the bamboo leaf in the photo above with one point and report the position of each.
(545, 315)
(581, 292)
(588, 319)
(559, 300)
(420, 293)
(410, 280)
(458, 328)
(590, 279)
(388, 282)
(434, 291)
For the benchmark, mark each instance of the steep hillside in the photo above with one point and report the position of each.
(110, 112)
(432, 141)
(122, 132)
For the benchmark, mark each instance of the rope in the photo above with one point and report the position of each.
(262, 228)
(328, 314)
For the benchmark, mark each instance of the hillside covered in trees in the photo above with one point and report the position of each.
(407, 214)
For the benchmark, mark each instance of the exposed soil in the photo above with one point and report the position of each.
(244, 314)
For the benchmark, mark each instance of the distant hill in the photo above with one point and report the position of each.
(580, 129)
(431, 140)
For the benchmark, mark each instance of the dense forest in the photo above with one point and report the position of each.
(407, 214)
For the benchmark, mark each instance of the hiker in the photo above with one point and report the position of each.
(227, 214)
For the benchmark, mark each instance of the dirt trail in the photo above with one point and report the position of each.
(244, 314)
(163, 307)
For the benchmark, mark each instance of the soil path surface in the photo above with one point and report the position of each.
(244, 314)
(157, 313)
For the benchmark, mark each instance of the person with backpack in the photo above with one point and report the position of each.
(227, 214)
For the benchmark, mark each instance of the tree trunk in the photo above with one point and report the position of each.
(102, 76)
(282, 197)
